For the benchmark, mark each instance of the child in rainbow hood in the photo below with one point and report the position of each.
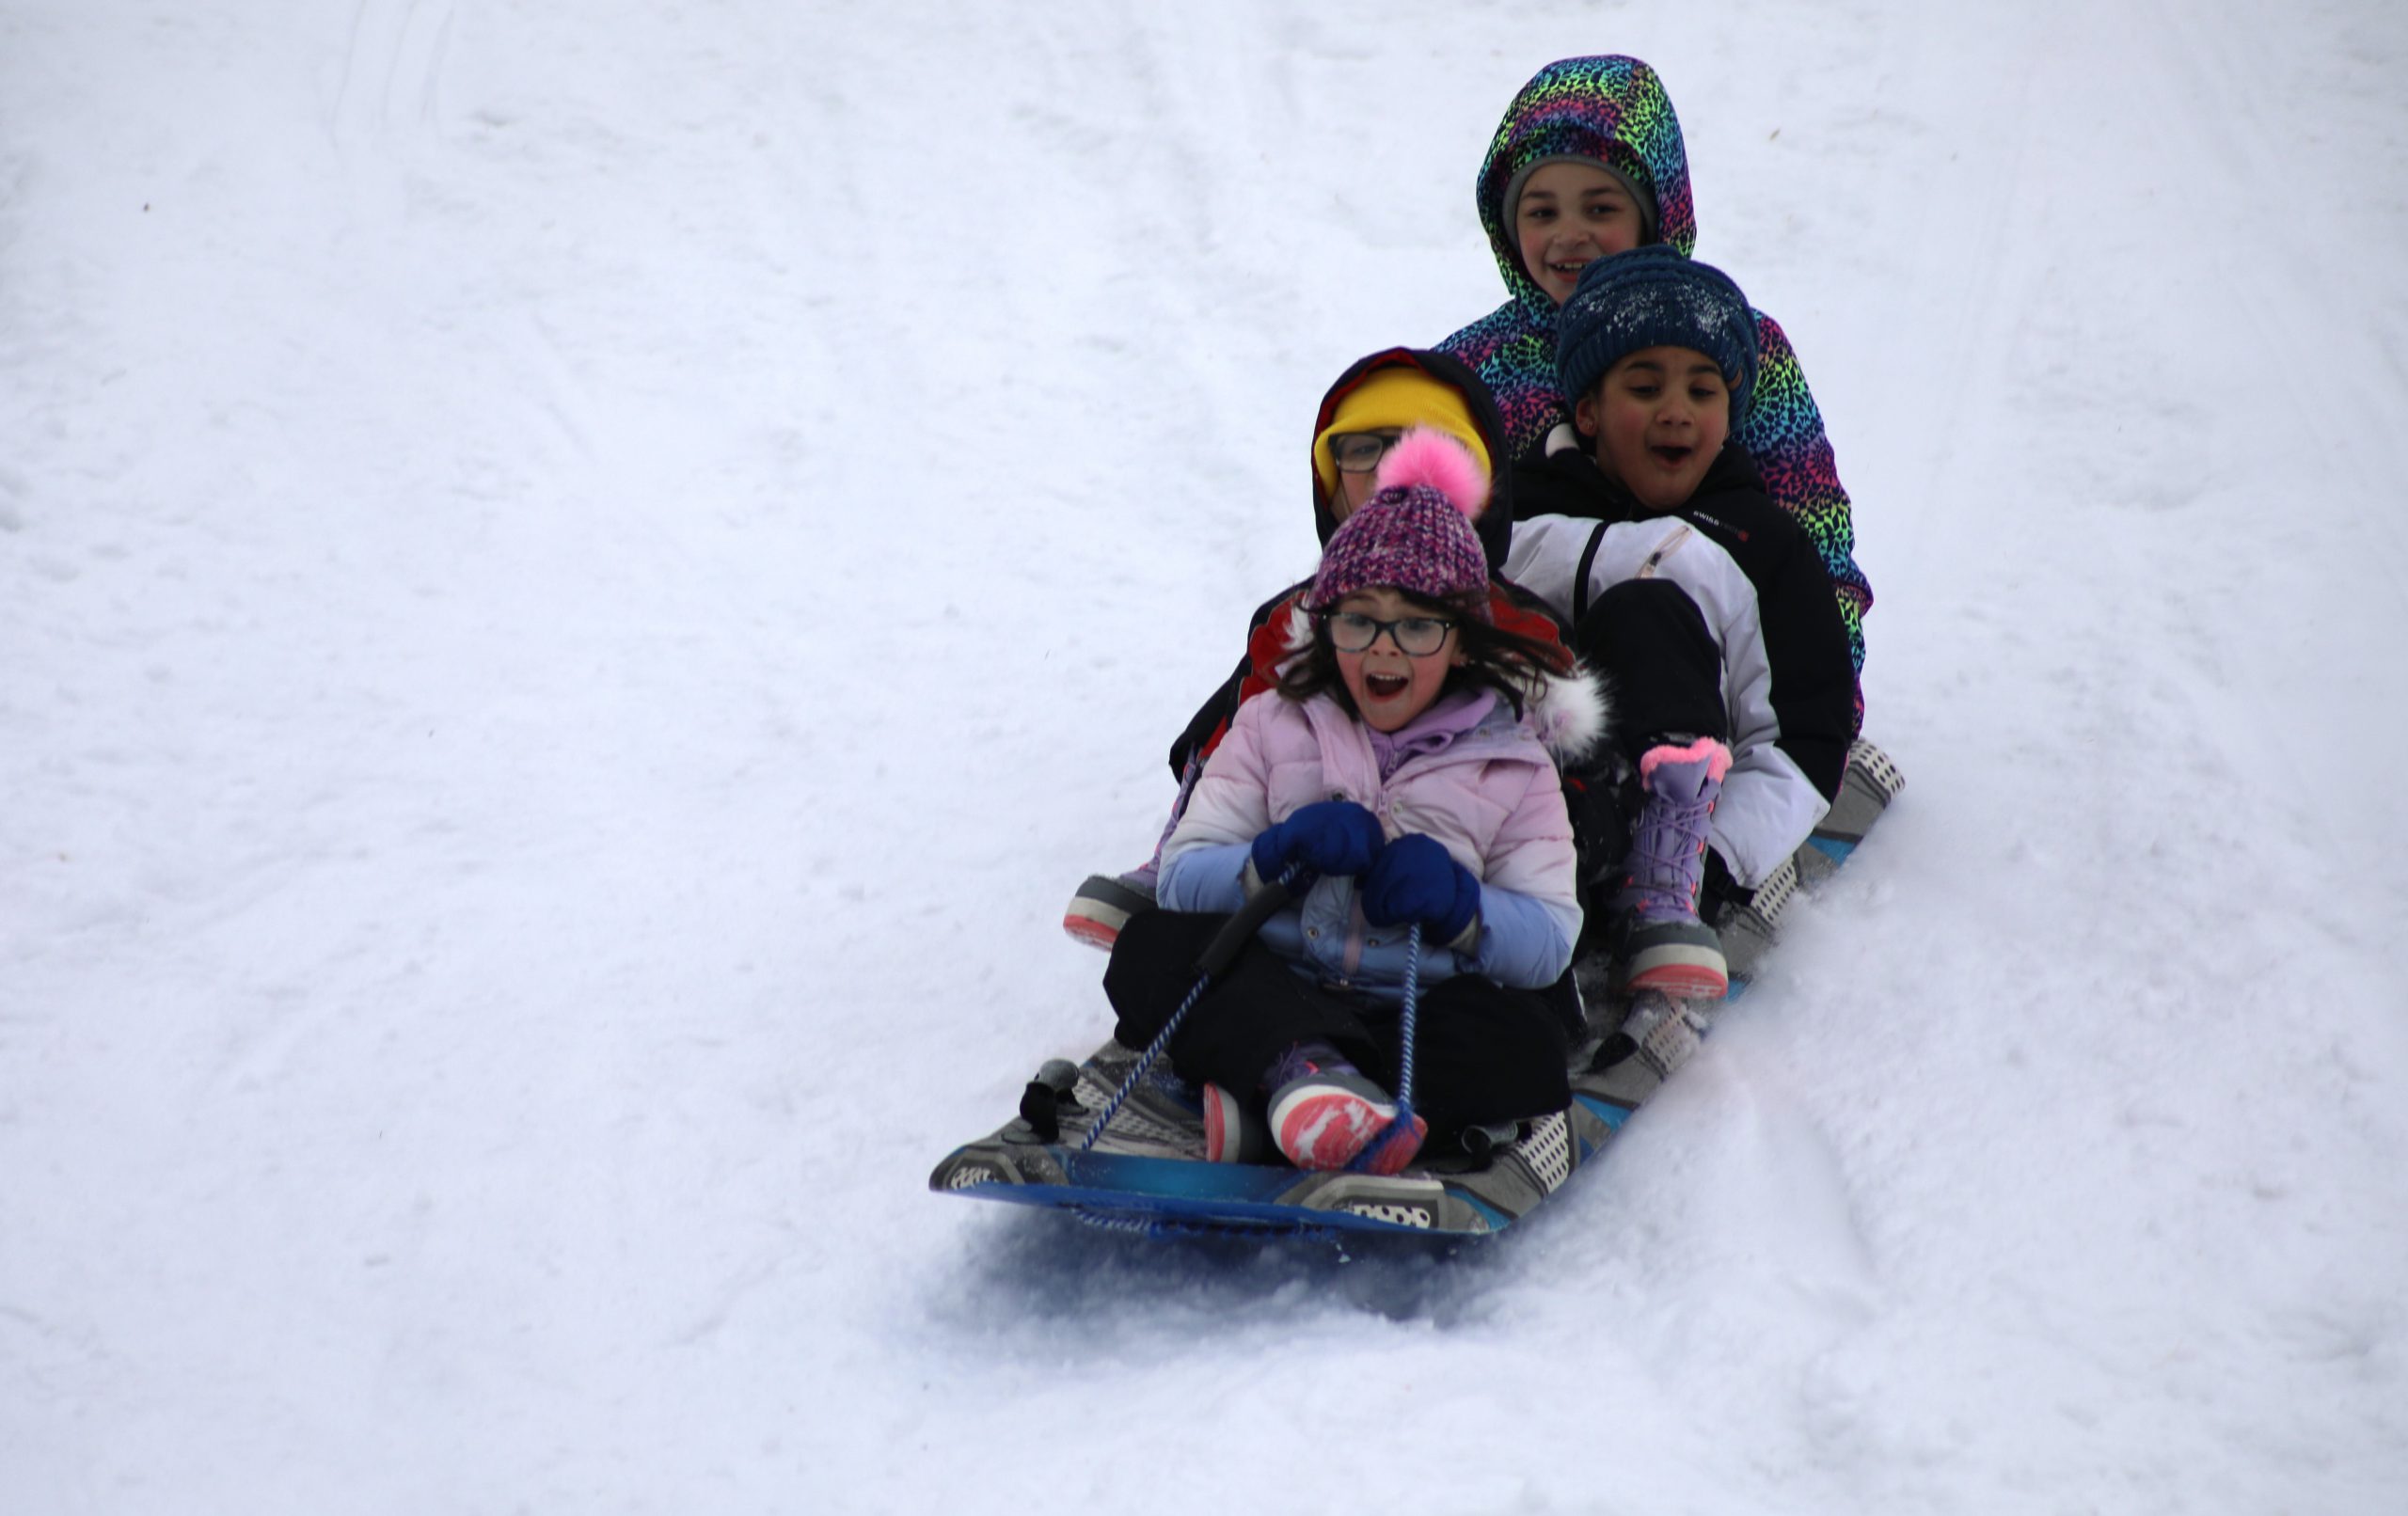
(1588, 161)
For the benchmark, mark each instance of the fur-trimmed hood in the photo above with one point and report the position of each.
(1571, 714)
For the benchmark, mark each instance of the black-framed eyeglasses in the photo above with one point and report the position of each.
(1359, 452)
(1416, 637)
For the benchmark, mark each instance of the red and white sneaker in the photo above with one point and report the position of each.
(1325, 1117)
(1105, 903)
(1233, 1133)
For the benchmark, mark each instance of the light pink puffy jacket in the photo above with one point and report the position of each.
(1492, 797)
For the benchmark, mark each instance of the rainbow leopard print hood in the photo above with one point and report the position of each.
(1613, 109)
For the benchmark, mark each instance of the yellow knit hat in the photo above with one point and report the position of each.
(1399, 396)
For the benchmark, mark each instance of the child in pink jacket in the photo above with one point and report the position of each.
(1404, 769)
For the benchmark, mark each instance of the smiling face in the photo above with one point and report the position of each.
(1659, 417)
(1390, 686)
(1570, 215)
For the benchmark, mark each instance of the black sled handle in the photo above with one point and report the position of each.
(1240, 928)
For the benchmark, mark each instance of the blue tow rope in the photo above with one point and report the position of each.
(1145, 1062)
(1403, 1121)
(1217, 956)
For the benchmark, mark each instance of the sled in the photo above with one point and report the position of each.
(1147, 1172)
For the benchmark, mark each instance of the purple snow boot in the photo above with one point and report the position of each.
(1664, 945)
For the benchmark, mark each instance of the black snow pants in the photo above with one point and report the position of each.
(1484, 1053)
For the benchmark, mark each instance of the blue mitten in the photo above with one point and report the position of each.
(1416, 881)
(1333, 837)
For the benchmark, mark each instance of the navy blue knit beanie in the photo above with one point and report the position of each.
(1652, 297)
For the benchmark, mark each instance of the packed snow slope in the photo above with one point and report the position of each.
(578, 584)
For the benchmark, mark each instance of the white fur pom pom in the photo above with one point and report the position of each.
(1427, 456)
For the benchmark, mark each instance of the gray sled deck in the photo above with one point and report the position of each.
(1147, 1173)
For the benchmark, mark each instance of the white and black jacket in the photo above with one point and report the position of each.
(1788, 684)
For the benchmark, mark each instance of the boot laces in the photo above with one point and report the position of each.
(1666, 849)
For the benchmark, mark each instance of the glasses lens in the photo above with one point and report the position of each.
(1415, 635)
(1359, 452)
(1350, 633)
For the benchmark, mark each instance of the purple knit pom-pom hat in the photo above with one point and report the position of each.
(1416, 533)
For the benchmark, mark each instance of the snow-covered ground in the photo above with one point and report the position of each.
(580, 581)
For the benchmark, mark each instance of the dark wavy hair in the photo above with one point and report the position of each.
(1507, 662)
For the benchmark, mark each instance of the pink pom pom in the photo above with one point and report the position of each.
(1427, 456)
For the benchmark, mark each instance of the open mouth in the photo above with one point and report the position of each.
(1670, 455)
(1385, 686)
(1570, 270)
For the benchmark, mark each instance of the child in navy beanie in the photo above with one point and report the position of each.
(1708, 603)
